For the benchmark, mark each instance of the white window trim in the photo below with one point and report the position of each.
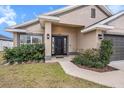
(31, 35)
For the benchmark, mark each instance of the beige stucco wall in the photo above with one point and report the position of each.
(47, 41)
(16, 39)
(82, 16)
(34, 28)
(118, 24)
(98, 41)
(77, 40)
(71, 34)
(87, 40)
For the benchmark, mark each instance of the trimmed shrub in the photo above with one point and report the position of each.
(97, 58)
(78, 59)
(105, 51)
(25, 53)
(88, 58)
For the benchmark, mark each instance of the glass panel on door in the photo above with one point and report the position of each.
(53, 45)
(65, 45)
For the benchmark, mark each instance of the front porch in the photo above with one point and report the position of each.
(60, 39)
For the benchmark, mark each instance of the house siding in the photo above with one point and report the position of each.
(82, 16)
(87, 41)
(34, 28)
(118, 25)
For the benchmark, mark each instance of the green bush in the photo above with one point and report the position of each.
(105, 51)
(97, 58)
(78, 59)
(88, 58)
(25, 53)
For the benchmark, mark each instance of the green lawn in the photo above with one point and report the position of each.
(40, 75)
(1, 57)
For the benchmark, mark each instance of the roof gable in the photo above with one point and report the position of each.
(70, 8)
(62, 10)
(82, 16)
(112, 18)
(104, 22)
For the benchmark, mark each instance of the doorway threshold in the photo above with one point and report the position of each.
(59, 56)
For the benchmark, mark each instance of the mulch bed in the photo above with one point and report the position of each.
(104, 69)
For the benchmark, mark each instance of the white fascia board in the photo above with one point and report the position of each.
(15, 30)
(102, 27)
(62, 10)
(67, 8)
(49, 18)
(106, 9)
(105, 26)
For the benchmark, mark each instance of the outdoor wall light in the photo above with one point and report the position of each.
(48, 36)
(100, 36)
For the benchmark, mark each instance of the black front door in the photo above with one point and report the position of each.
(60, 43)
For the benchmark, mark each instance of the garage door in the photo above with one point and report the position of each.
(118, 46)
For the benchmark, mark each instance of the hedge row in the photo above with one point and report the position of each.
(25, 53)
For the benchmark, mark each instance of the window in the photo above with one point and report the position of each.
(93, 13)
(36, 39)
(31, 39)
(65, 45)
(53, 47)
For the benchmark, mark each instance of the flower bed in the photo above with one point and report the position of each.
(96, 59)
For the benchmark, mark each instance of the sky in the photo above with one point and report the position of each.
(16, 14)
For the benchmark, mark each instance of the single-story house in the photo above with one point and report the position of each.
(5, 42)
(70, 29)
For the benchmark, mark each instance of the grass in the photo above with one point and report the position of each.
(1, 57)
(40, 75)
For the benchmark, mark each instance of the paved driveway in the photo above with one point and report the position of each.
(112, 78)
(118, 64)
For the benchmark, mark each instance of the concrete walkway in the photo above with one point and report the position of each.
(111, 79)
